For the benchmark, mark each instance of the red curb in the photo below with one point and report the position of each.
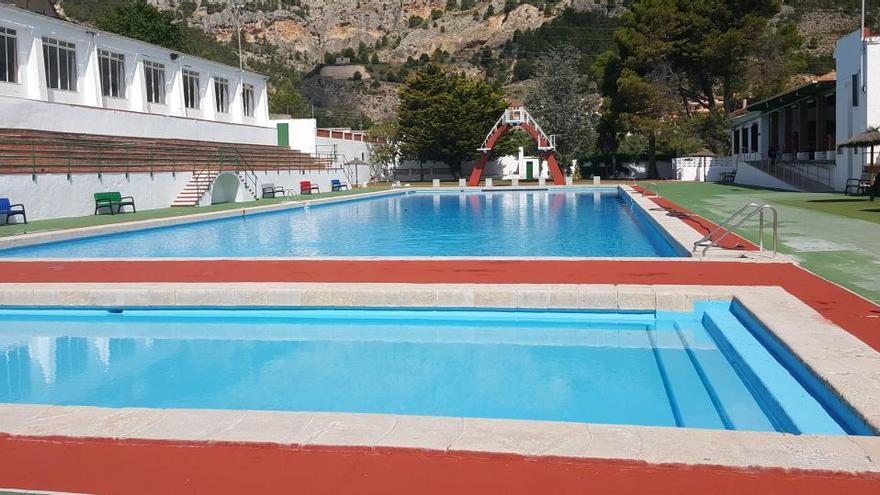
(137, 467)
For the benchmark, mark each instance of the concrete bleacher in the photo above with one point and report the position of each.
(41, 152)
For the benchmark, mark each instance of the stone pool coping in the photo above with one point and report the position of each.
(676, 232)
(847, 365)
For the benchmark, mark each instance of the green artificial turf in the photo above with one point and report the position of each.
(835, 236)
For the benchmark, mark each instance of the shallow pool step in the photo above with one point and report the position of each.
(734, 401)
(688, 397)
(782, 397)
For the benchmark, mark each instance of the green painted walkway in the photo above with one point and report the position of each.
(104, 219)
(835, 236)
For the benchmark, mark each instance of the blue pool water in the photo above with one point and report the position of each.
(704, 369)
(584, 222)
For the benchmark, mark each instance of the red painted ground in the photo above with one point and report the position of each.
(149, 468)
(700, 224)
(136, 467)
(855, 314)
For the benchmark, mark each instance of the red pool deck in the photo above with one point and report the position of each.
(154, 467)
(150, 467)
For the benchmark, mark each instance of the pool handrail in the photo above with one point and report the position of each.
(743, 215)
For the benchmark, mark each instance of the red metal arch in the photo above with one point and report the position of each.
(548, 155)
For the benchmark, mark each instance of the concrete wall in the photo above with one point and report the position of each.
(344, 71)
(56, 196)
(31, 78)
(21, 113)
(751, 176)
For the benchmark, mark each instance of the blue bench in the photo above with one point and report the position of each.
(337, 185)
(10, 210)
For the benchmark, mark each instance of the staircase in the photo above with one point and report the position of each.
(197, 186)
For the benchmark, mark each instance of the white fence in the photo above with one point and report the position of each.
(702, 169)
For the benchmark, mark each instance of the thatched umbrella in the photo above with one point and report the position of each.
(702, 155)
(869, 138)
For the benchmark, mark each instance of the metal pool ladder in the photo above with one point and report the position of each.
(735, 221)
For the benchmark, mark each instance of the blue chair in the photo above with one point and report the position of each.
(11, 210)
(337, 185)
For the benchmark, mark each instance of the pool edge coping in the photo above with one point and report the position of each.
(807, 336)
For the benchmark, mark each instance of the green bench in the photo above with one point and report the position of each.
(114, 201)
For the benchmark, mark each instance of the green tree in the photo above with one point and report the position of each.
(139, 20)
(285, 98)
(510, 143)
(444, 116)
(558, 101)
(644, 106)
(711, 43)
(384, 149)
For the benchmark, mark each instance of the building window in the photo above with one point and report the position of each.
(221, 94)
(8, 51)
(112, 68)
(247, 98)
(59, 60)
(191, 89)
(736, 141)
(154, 75)
(855, 90)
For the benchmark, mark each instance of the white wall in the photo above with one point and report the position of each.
(751, 176)
(54, 196)
(852, 120)
(346, 149)
(705, 169)
(21, 113)
(31, 28)
(302, 133)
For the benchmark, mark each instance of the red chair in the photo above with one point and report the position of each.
(306, 187)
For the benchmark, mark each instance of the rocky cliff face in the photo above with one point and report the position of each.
(307, 29)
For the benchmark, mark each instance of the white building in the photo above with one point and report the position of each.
(521, 167)
(858, 98)
(790, 140)
(60, 76)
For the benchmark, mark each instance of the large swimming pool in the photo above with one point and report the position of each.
(598, 222)
(706, 369)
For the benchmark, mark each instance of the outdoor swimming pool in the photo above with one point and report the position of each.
(705, 369)
(597, 222)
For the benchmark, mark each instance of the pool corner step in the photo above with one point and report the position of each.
(773, 386)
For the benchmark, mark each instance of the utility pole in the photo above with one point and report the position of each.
(236, 9)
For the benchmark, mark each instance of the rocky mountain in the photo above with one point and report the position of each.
(391, 37)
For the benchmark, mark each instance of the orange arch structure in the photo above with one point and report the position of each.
(518, 117)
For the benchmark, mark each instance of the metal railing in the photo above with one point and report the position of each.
(735, 221)
(652, 185)
(817, 176)
(93, 155)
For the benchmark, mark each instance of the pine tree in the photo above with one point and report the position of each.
(444, 116)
